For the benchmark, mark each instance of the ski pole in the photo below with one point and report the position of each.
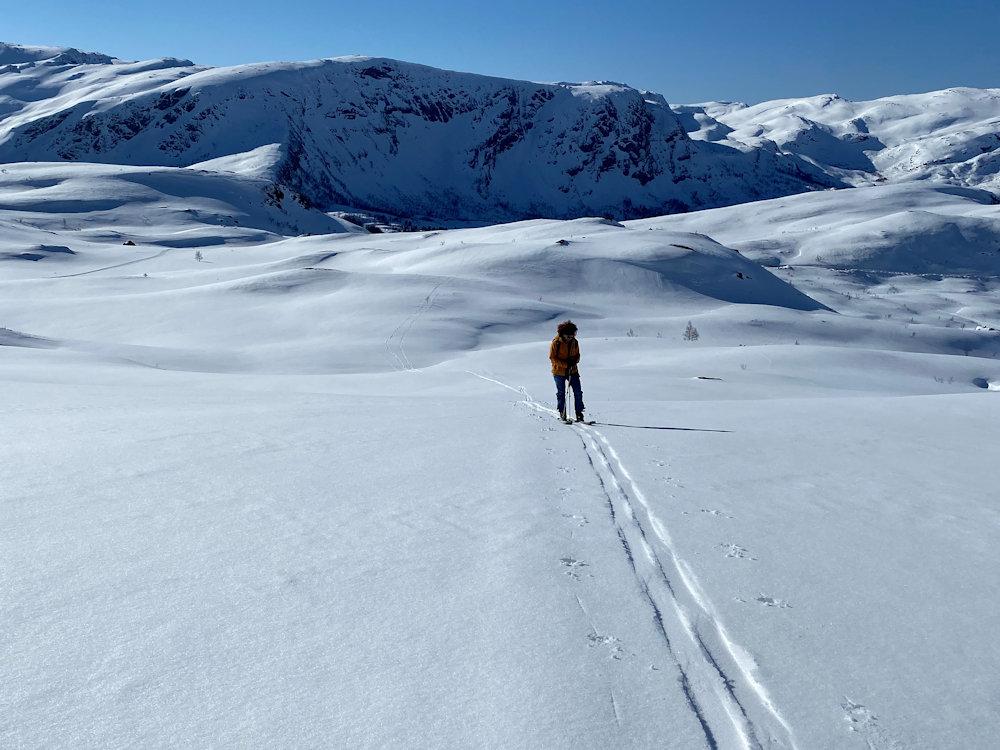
(569, 394)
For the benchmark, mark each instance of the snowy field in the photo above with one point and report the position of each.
(268, 490)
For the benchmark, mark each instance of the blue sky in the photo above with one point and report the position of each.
(688, 51)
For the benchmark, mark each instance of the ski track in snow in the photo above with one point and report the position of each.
(116, 265)
(614, 707)
(716, 675)
(394, 342)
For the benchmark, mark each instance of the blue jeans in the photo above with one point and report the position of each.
(574, 383)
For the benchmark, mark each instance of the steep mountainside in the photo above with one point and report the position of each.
(413, 141)
(383, 135)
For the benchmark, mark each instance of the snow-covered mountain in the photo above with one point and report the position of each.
(951, 135)
(417, 142)
(384, 135)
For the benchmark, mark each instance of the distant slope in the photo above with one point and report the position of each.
(601, 258)
(907, 228)
(388, 136)
(85, 207)
(210, 287)
(951, 135)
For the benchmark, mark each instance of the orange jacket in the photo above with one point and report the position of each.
(564, 355)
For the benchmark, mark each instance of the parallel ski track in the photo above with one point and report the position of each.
(716, 675)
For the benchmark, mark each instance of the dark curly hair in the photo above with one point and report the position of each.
(566, 328)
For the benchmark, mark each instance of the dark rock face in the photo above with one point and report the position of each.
(417, 142)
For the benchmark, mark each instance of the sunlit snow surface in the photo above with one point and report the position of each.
(266, 490)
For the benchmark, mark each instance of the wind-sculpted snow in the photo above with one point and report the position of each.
(405, 139)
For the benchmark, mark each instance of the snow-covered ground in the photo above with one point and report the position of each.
(267, 490)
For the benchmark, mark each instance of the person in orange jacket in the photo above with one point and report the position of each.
(564, 353)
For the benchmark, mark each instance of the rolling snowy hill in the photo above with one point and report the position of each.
(72, 220)
(910, 228)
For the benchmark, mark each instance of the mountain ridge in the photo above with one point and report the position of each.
(403, 138)
(413, 141)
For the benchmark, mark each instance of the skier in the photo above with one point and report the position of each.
(564, 353)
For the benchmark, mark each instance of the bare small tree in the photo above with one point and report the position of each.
(198, 256)
(690, 333)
